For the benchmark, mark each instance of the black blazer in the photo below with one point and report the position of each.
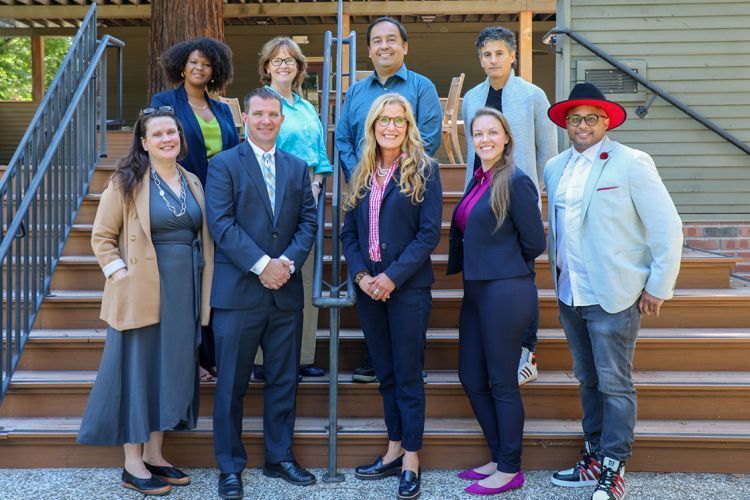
(408, 233)
(196, 160)
(244, 228)
(483, 253)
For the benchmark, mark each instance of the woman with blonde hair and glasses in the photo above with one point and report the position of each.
(282, 68)
(496, 233)
(393, 216)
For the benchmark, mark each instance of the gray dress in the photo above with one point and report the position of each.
(148, 377)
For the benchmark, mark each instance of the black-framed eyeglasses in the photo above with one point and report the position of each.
(398, 122)
(590, 120)
(289, 61)
(150, 111)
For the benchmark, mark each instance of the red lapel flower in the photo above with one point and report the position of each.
(604, 155)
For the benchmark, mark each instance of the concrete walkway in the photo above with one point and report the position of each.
(69, 484)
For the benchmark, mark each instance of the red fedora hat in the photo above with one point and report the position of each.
(586, 94)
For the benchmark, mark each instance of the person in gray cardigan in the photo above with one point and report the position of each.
(525, 106)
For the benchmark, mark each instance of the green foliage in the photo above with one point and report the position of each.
(15, 64)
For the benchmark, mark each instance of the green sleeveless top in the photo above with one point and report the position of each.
(211, 135)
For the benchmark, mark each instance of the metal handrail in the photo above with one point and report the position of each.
(333, 300)
(551, 38)
(43, 188)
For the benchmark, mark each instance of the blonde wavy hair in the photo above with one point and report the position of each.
(502, 170)
(415, 164)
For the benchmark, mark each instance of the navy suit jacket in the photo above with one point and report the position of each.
(408, 233)
(483, 253)
(196, 160)
(244, 228)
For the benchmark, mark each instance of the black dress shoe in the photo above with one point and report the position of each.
(379, 470)
(171, 475)
(291, 472)
(152, 486)
(230, 485)
(410, 484)
(311, 371)
(364, 375)
(258, 373)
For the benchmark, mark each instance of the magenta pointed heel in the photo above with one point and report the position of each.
(472, 475)
(513, 484)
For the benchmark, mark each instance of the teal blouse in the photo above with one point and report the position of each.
(302, 134)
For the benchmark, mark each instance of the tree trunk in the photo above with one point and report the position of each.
(173, 22)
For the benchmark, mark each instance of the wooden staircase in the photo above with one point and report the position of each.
(692, 372)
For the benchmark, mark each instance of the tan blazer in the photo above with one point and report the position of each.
(123, 231)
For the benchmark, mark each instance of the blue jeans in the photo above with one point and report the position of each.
(602, 345)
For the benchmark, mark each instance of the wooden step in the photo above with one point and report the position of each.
(710, 308)
(660, 445)
(661, 395)
(657, 349)
(698, 270)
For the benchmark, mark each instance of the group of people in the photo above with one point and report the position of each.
(197, 284)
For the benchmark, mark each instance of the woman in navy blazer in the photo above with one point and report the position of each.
(392, 225)
(496, 233)
(198, 67)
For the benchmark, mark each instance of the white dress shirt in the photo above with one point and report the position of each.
(573, 285)
(260, 264)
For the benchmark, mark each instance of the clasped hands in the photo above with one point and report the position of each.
(378, 288)
(276, 273)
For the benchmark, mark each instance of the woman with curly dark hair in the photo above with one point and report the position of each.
(198, 67)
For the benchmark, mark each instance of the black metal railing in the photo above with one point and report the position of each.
(551, 38)
(44, 185)
(332, 298)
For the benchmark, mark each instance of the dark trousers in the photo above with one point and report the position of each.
(494, 314)
(238, 333)
(530, 333)
(396, 333)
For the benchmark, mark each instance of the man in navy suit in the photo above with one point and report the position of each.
(261, 214)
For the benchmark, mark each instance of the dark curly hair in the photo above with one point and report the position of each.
(173, 61)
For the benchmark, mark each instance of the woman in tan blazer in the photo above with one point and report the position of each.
(152, 243)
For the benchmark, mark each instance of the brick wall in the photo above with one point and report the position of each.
(730, 238)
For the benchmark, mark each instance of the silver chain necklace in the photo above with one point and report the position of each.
(183, 194)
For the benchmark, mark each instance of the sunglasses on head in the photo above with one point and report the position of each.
(150, 111)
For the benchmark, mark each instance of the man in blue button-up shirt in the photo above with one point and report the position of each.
(387, 45)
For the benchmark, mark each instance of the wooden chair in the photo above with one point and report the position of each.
(450, 121)
(234, 107)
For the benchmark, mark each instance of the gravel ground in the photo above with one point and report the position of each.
(22, 484)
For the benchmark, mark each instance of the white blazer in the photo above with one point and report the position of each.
(631, 232)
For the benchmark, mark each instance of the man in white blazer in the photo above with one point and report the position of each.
(615, 244)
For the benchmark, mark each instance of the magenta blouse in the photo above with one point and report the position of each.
(482, 184)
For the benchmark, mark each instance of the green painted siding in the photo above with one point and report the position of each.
(698, 51)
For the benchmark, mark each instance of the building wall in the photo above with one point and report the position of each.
(15, 117)
(699, 52)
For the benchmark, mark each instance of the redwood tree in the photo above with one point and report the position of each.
(173, 22)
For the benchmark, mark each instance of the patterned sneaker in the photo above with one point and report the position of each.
(584, 473)
(611, 481)
(527, 367)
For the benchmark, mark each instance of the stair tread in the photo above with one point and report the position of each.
(457, 293)
(688, 256)
(533, 428)
(100, 334)
(439, 377)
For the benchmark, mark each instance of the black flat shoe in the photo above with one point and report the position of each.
(291, 472)
(379, 470)
(311, 371)
(171, 475)
(410, 484)
(230, 485)
(152, 486)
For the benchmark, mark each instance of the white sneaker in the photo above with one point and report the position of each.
(527, 367)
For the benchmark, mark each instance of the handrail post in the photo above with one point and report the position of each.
(103, 105)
